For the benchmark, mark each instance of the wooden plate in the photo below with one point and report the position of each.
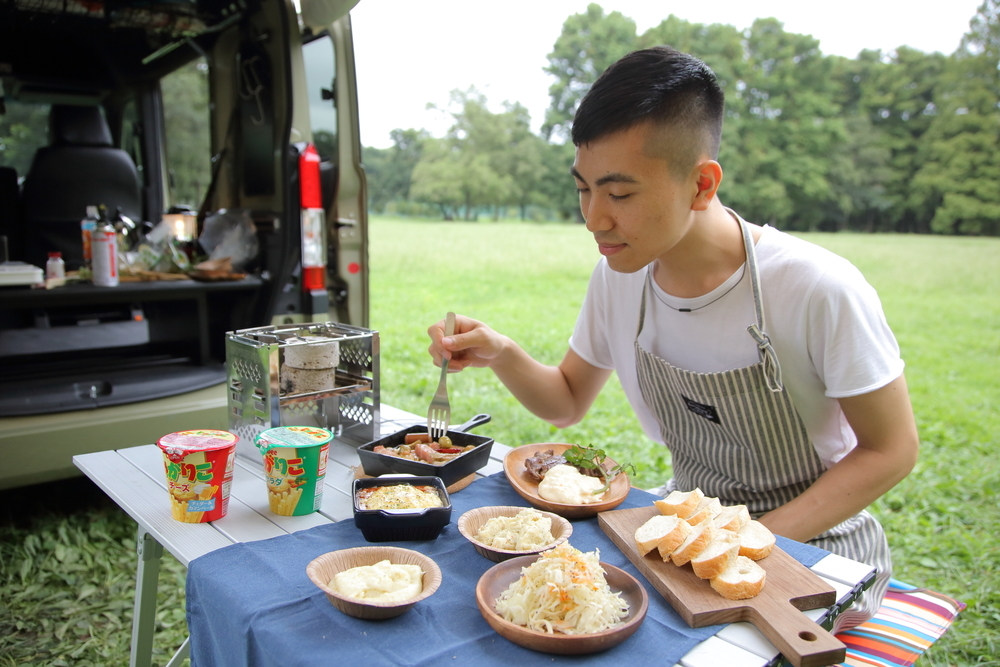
(472, 521)
(527, 488)
(496, 580)
(790, 588)
(323, 568)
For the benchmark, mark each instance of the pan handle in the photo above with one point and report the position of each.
(478, 420)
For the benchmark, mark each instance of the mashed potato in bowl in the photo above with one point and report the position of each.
(526, 530)
(565, 484)
(382, 582)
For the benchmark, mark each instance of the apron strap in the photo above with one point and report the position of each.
(765, 351)
(642, 302)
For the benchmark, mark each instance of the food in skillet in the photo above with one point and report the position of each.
(563, 591)
(578, 476)
(420, 447)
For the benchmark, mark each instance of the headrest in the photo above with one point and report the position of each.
(78, 126)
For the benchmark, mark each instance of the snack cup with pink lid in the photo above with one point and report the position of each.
(199, 467)
(294, 467)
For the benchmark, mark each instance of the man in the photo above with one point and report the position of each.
(763, 362)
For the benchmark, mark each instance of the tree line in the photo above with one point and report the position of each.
(903, 141)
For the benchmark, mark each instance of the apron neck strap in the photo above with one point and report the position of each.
(765, 351)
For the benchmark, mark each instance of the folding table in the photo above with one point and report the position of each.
(134, 478)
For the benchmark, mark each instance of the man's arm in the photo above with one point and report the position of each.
(886, 453)
(559, 394)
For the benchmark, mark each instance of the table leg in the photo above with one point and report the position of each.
(144, 613)
(183, 652)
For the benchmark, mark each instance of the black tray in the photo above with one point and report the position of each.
(392, 525)
(382, 464)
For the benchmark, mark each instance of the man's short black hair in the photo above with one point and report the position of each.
(671, 90)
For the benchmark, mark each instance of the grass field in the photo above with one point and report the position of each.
(66, 565)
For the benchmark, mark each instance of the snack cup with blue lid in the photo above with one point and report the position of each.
(294, 467)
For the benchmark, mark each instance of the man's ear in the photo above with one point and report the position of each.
(708, 177)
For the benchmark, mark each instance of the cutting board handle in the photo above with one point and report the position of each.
(801, 641)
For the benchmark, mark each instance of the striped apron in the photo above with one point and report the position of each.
(737, 436)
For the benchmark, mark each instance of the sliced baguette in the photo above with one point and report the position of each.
(741, 580)
(701, 535)
(708, 508)
(670, 543)
(756, 540)
(732, 517)
(661, 530)
(681, 503)
(718, 555)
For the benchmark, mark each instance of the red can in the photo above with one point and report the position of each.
(104, 252)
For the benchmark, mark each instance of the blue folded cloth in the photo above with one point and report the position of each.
(251, 604)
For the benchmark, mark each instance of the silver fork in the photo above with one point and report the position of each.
(439, 414)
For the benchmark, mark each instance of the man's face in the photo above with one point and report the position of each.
(634, 206)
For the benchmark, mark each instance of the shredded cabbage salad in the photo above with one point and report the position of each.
(563, 591)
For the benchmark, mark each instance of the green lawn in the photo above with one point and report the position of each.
(66, 565)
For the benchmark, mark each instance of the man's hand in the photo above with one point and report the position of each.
(472, 344)
(561, 394)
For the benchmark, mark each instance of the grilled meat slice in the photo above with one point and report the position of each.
(539, 464)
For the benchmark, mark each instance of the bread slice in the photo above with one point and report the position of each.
(708, 508)
(756, 540)
(661, 531)
(681, 503)
(732, 517)
(741, 580)
(717, 556)
(701, 536)
(670, 543)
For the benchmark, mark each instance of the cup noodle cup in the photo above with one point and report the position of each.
(294, 467)
(199, 467)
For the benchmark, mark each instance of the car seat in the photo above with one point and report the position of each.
(79, 168)
(10, 213)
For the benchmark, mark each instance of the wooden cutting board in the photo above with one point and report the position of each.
(789, 589)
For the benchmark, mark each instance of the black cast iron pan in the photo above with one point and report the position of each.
(382, 464)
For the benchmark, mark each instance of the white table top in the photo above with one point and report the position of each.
(134, 479)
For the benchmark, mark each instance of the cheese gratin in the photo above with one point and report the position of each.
(399, 497)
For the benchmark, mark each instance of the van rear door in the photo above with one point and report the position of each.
(333, 116)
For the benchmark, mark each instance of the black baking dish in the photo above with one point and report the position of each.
(392, 525)
(383, 464)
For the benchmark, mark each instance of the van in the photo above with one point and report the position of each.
(196, 125)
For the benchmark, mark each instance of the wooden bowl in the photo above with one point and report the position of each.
(472, 521)
(527, 488)
(323, 568)
(499, 577)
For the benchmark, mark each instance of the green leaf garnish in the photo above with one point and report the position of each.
(589, 458)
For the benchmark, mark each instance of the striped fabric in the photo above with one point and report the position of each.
(909, 621)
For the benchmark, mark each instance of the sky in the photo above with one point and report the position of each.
(410, 54)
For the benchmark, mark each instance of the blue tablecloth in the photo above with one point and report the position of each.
(251, 604)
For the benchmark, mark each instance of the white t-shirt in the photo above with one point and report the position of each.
(824, 320)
